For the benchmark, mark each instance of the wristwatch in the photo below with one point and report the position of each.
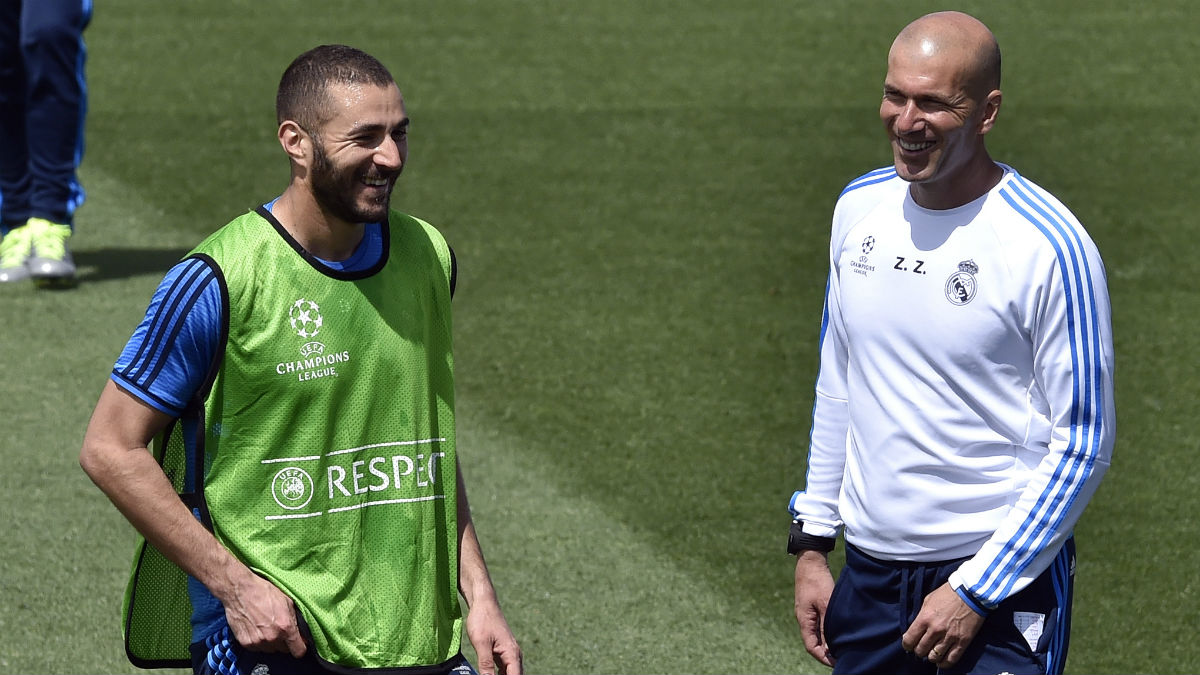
(798, 541)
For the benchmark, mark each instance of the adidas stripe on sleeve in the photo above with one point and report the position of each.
(169, 354)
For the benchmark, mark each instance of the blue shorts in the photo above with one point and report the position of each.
(220, 654)
(874, 602)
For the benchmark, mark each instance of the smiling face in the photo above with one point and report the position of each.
(359, 151)
(936, 109)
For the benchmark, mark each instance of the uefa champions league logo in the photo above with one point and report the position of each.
(305, 317)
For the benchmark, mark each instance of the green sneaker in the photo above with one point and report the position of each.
(15, 249)
(50, 264)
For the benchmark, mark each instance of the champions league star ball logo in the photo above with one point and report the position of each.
(305, 317)
(961, 286)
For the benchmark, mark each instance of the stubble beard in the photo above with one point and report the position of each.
(334, 191)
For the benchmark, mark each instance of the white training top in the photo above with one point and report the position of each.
(964, 405)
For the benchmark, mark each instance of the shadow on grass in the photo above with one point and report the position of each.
(122, 263)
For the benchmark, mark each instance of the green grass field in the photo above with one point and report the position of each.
(639, 195)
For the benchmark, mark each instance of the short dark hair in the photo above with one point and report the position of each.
(302, 95)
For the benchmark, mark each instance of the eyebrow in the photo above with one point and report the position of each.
(369, 128)
(937, 98)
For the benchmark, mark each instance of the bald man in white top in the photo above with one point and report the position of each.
(964, 411)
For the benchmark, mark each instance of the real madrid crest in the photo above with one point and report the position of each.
(961, 286)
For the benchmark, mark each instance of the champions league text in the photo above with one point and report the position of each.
(311, 369)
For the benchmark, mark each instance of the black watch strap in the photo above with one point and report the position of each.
(798, 541)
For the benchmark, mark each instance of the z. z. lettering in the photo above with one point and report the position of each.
(904, 268)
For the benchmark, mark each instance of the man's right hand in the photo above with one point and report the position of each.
(262, 617)
(814, 585)
(116, 456)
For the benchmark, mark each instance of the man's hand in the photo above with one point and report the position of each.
(494, 643)
(943, 628)
(116, 456)
(262, 617)
(814, 585)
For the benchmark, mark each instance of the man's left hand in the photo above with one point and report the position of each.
(943, 628)
(494, 643)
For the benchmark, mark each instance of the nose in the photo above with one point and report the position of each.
(908, 118)
(389, 155)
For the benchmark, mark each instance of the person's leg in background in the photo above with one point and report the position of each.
(45, 104)
(14, 160)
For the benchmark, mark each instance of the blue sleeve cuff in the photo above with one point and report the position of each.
(792, 503)
(971, 601)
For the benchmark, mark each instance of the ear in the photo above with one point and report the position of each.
(295, 141)
(991, 110)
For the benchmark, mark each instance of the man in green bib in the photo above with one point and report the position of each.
(280, 427)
